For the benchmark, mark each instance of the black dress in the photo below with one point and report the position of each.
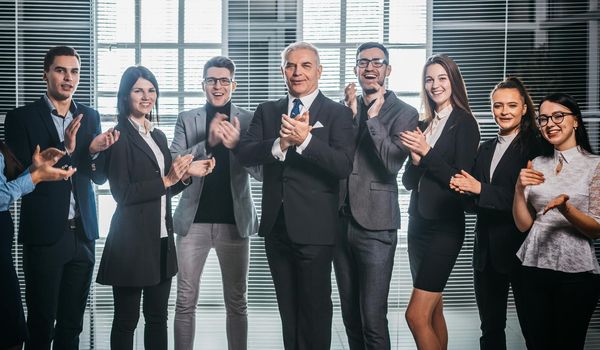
(13, 329)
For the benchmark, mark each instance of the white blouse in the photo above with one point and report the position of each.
(553, 242)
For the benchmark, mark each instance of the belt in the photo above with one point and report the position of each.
(73, 224)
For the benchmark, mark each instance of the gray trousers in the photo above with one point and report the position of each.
(233, 254)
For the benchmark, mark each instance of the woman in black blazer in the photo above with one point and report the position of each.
(139, 255)
(491, 188)
(445, 143)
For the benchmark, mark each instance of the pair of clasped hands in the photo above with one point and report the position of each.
(294, 131)
(465, 183)
(221, 131)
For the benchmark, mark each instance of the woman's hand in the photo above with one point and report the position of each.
(415, 141)
(559, 202)
(178, 169)
(465, 183)
(528, 176)
(200, 168)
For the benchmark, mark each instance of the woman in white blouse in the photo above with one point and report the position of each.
(557, 198)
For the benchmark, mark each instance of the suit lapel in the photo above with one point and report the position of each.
(315, 107)
(487, 153)
(442, 143)
(506, 160)
(46, 119)
(200, 123)
(139, 142)
(164, 148)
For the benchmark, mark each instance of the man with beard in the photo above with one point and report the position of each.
(364, 254)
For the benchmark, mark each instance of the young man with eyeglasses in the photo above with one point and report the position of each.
(364, 254)
(215, 211)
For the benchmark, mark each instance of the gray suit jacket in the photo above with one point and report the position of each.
(372, 186)
(190, 138)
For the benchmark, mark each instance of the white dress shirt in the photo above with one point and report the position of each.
(434, 129)
(145, 131)
(307, 101)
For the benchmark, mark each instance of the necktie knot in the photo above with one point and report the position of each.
(296, 108)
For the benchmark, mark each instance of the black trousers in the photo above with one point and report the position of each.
(363, 262)
(559, 307)
(302, 279)
(57, 284)
(155, 305)
(491, 293)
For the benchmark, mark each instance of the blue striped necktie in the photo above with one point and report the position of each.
(296, 108)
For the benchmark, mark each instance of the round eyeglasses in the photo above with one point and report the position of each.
(556, 117)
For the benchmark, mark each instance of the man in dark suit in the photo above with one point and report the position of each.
(215, 211)
(364, 255)
(58, 223)
(305, 143)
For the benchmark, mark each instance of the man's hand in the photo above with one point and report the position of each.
(71, 134)
(48, 173)
(200, 168)
(103, 141)
(230, 132)
(178, 169)
(49, 156)
(215, 133)
(297, 129)
(378, 98)
(350, 98)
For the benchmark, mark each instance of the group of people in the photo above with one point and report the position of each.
(329, 198)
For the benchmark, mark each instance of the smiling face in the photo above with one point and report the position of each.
(438, 87)
(218, 94)
(142, 98)
(369, 77)
(301, 72)
(509, 108)
(62, 77)
(561, 135)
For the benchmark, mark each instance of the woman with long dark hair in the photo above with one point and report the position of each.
(16, 182)
(139, 255)
(443, 145)
(557, 199)
(491, 186)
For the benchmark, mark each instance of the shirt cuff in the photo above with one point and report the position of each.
(277, 152)
(26, 182)
(304, 144)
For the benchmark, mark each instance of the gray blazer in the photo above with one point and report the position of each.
(372, 187)
(190, 138)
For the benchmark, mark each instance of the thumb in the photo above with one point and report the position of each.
(236, 122)
(529, 164)
(37, 150)
(466, 174)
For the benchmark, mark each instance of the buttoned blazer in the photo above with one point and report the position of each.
(455, 150)
(372, 187)
(190, 138)
(306, 185)
(497, 239)
(131, 255)
(44, 212)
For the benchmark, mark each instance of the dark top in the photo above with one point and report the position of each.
(216, 200)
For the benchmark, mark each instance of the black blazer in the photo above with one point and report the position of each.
(455, 150)
(307, 185)
(497, 239)
(131, 256)
(44, 212)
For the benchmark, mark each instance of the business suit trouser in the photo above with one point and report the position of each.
(491, 293)
(302, 279)
(57, 283)
(233, 254)
(363, 262)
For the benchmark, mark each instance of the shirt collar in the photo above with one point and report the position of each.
(142, 128)
(53, 111)
(444, 113)
(567, 155)
(306, 100)
(506, 139)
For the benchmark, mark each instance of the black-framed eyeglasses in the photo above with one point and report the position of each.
(213, 81)
(375, 62)
(557, 118)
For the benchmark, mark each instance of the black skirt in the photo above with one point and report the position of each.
(13, 328)
(433, 246)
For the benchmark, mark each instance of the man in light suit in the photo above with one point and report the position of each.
(364, 254)
(305, 143)
(215, 211)
(59, 224)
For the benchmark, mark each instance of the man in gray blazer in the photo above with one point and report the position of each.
(215, 211)
(364, 254)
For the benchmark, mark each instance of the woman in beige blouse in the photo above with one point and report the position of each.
(557, 198)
